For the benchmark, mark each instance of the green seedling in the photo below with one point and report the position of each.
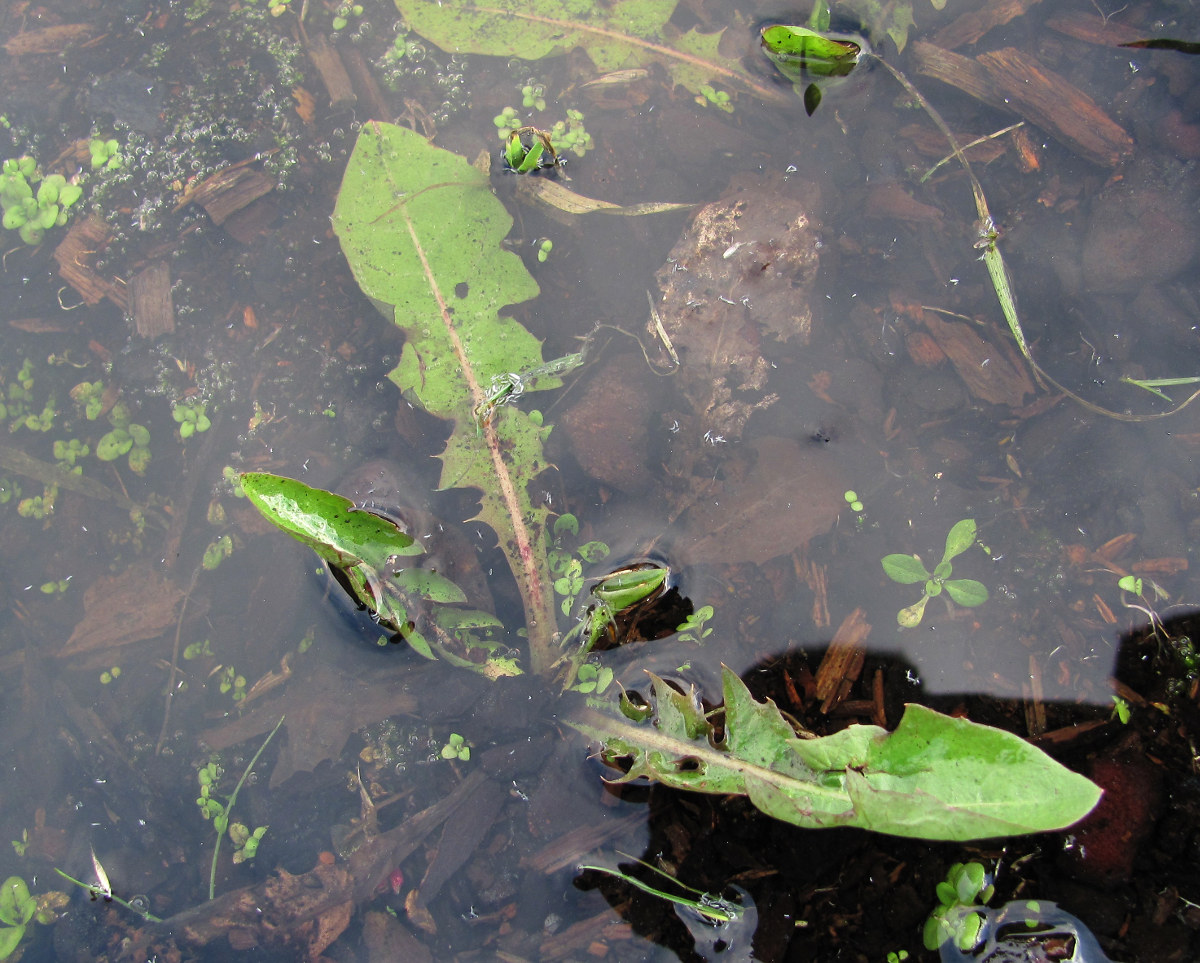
(529, 149)
(8, 490)
(198, 650)
(965, 890)
(89, 396)
(852, 499)
(17, 908)
(126, 438)
(245, 842)
(909, 569)
(20, 845)
(456, 748)
(715, 909)
(217, 552)
(38, 506)
(710, 96)
(231, 682)
(55, 587)
(191, 418)
(611, 596)
(31, 213)
(805, 54)
(506, 122)
(544, 250)
(696, 629)
(897, 956)
(346, 10)
(111, 675)
(592, 679)
(106, 154)
(211, 807)
(533, 97)
(67, 453)
(570, 134)
(1121, 710)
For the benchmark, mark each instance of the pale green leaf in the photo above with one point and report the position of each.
(905, 569)
(966, 591)
(935, 777)
(620, 35)
(959, 539)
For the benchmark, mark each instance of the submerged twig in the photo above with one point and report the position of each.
(998, 271)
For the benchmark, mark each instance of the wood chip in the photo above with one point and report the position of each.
(75, 254)
(153, 307)
(970, 27)
(1057, 106)
(333, 72)
(48, 40)
(1092, 29)
(1012, 81)
(843, 661)
(990, 372)
(227, 191)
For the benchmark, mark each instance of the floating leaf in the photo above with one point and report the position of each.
(801, 53)
(620, 35)
(935, 777)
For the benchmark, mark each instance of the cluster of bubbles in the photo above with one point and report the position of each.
(409, 67)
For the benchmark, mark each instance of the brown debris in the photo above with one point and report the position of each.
(120, 609)
(153, 307)
(333, 72)
(956, 70)
(992, 373)
(843, 661)
(74, 255)
(785, 498)
(892, 200)
(970, 27)
(48, 40)
(1013, 81)
(228, 191)
(1092, 29)
(1058, 107)
(322, 709)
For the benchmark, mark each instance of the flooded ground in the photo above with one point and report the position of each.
(796, 365)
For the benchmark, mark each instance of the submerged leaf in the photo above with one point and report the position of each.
(620, 35)
(935, 777)
(423, 234)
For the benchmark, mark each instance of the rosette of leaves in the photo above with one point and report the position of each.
(17, 909)
(31, 213)
(191, 418)
(126, 438)
(909, 570)
(366, 552)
